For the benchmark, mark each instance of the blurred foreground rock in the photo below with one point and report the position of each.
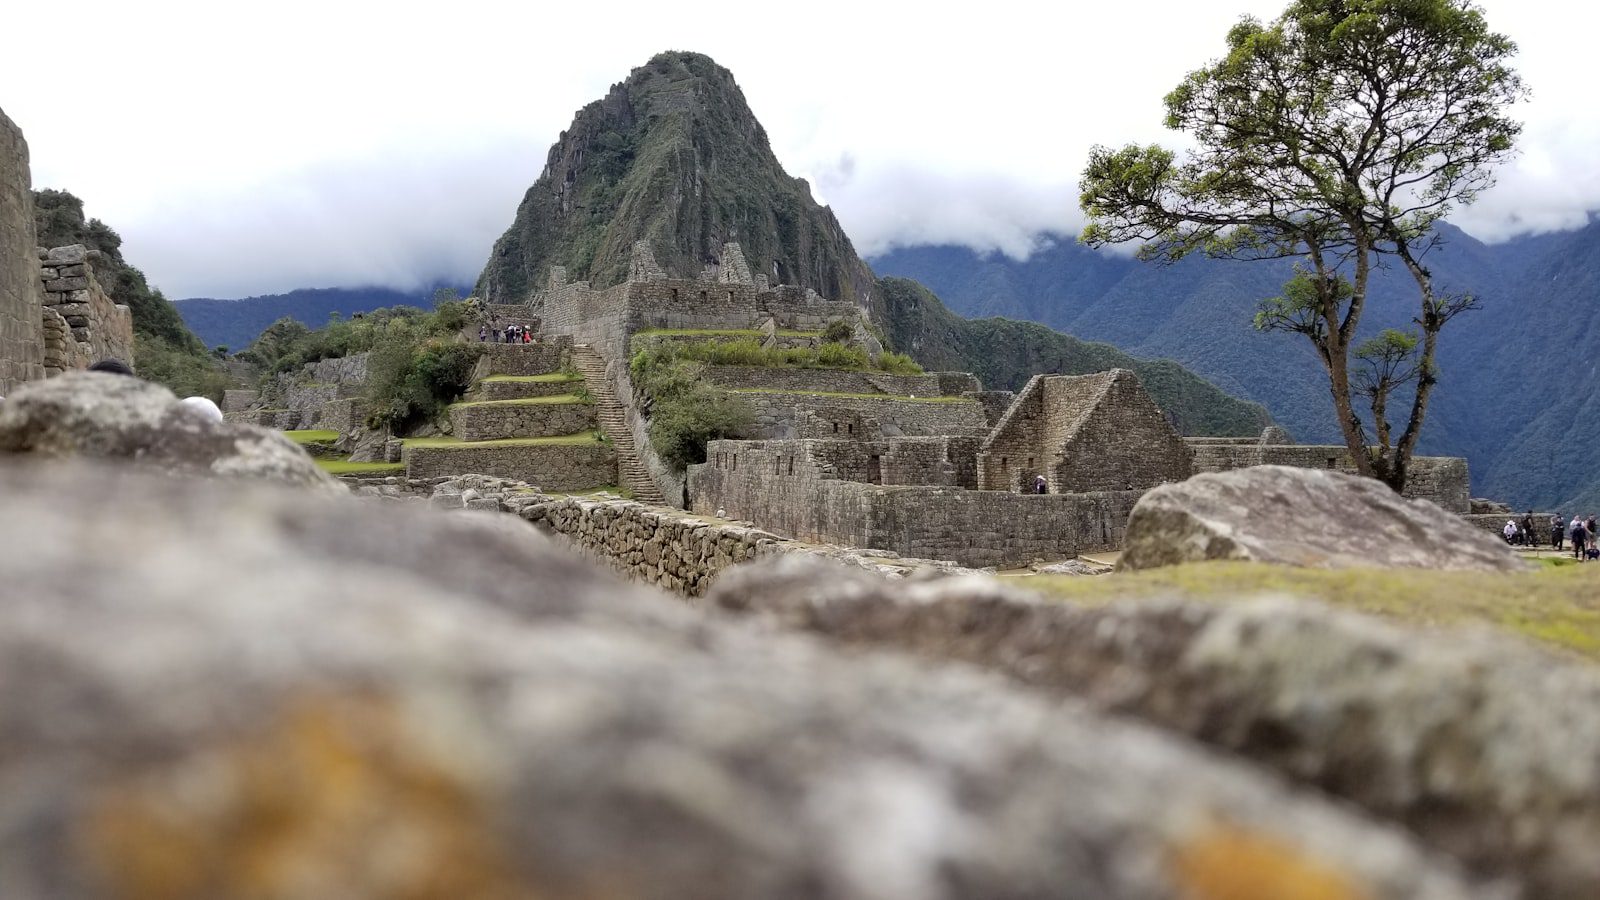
(217, 690)
(1485, 747)
(1303, 517)
(99, 415)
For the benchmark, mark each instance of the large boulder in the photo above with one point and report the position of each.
(1302, 517)
(1486, 748)
(226, 690)
(96, 414)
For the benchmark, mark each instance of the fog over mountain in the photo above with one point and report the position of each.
(390, 148)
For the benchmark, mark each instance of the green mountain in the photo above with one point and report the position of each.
(165, 350)
(674, 155)
(235, 323)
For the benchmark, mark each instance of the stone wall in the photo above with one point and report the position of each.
(994, 403)
(794, 488)
(839, 381)
(1441, 479)
(492, 421)
(238, 401)
(553, 467)
(800, 415)
(542, 357)
(21, 311)
(98, 327)
(344, 416)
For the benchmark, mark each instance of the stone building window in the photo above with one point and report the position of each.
(703, 295)
(874, 469)
(736, 462)
(674, 293)
(791, 465)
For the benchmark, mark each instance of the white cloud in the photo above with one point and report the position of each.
(241, 150)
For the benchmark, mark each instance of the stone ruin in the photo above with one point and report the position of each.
(55, 316)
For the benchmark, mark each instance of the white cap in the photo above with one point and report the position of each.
(203, 407)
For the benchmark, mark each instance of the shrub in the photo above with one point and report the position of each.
(412, 376)
(685, 412)
(898, 364)
(838, 332)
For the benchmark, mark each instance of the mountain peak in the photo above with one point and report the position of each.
(672, 156)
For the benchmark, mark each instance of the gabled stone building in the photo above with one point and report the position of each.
(1083, 433)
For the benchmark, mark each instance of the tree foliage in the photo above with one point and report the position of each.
(1338, 135)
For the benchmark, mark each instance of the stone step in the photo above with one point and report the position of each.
(563, 464)
(613, 422)
(534, 418)
(523, 387)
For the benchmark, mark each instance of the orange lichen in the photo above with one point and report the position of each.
(331, 799)
(1229, 863)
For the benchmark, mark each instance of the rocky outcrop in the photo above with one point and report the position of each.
(1482, 746)
(246, 691)
(92, 414)
(1302, 517)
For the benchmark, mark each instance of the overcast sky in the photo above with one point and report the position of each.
(243, 150)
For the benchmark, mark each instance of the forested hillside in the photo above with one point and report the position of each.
(235, 323)
(1520, 378)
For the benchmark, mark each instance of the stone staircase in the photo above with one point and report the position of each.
(613, 420)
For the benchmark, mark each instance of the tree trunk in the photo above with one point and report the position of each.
(1355, 436)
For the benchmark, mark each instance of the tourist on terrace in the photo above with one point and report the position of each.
(1510, 531)
(483, 333)
(1558, 532)
(1579, 535)
(1529, 535)
(1039, 486)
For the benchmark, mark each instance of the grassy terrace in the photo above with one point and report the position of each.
(852, 396)
(581, 438)
(312, 437)
(552, 378)
(1558, 606)
(346, 467)
(557, 400)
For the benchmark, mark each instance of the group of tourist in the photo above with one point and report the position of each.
(511, 334)
(1580, 532)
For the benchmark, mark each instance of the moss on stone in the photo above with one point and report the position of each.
(1559, 607)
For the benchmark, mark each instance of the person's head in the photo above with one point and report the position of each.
(112, 365)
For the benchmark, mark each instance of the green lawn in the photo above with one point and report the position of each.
(552, 378)
(1556, 605)
(312, 437)
(852, 396)
(558, 400)
(582, 437)
(346, 467)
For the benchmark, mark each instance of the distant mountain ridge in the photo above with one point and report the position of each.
(1520, 388)
(235, 323)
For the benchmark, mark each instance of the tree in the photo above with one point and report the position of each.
(1338, 135)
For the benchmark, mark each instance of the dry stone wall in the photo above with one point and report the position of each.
(1441, 479)
(840, 381)
(21, 313)
(794, 414)
(795, 488)
(553, 467)
(97, 326)
(517, 419)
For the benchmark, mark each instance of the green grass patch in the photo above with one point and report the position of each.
(552, 378)
(558, 400)
(1557, 606)
(852, 396)
(346, 467)
(312, 437)
(582, 437)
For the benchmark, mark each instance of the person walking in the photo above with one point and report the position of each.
(1579, 534)
(1558, 531)
(1529, 536)
(483, 333)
